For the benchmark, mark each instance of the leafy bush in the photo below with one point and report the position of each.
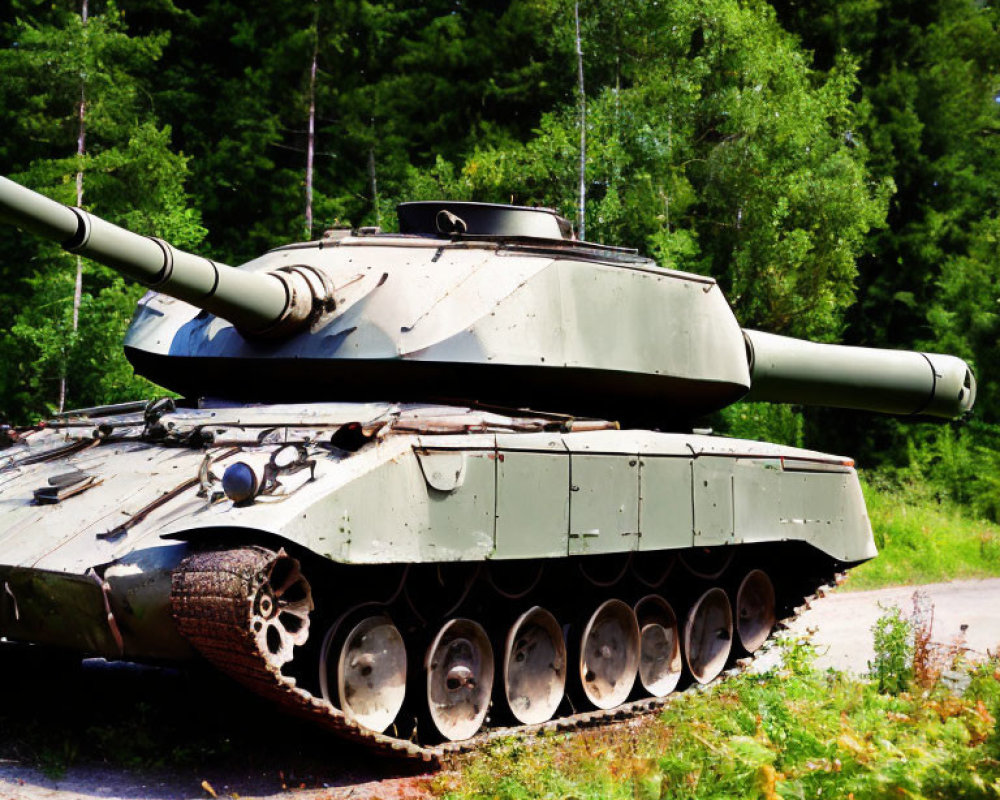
(961, 466)
(762, 421)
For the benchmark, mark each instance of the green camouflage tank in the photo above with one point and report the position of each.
(426, 485)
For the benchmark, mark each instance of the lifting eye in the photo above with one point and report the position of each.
(288, 457)
(450, 224)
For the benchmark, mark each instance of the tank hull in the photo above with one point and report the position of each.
(434, 486)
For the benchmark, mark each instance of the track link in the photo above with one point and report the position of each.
(212, 602)
(212, 598)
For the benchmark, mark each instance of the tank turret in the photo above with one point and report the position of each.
(497, 304)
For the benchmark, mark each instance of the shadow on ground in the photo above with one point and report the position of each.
(174, 728)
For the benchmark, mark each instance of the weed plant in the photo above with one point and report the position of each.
(893, 639)
(792, 732)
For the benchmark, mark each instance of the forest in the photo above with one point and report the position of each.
(834, 164)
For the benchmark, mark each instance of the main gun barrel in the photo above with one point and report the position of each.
(256, 303)
(786, 370)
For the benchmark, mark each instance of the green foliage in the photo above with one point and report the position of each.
(48, 56)
(398, 85)
(959, 466)
(923, 540)
(717, 150)
(130, 177)
(929, 75)
(965, 316)
(764, 422)
(786, 733)
(946, 466)
(892, 667)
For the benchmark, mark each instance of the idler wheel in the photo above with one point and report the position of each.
(371, 671)
(534, 666)
(280, 609)
(660, 663)
(755, 615)
(459, 678)
(708, 635)
(609, 654)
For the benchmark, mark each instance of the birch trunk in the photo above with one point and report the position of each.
(372, 178)
(81, 149)
(583, 123)
(311, 140)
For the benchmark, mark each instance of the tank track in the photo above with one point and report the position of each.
(212, 602)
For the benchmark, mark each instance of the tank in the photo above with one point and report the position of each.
(421, 487)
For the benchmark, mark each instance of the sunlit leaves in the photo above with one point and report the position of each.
(717, 149)
(131, 177)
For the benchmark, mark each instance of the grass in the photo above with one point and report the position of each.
(792, 733)
(924, 541)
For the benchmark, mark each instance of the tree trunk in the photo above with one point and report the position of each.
(583, 123)
(311, 141)
(81, 149)
(372, 177)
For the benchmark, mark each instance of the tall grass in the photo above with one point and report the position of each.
(923, 540)
(791, 733)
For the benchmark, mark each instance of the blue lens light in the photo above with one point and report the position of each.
(239, 482)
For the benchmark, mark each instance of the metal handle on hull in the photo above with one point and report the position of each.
(786, 370)
(269, 304)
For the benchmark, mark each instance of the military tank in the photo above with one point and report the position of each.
(430, 484)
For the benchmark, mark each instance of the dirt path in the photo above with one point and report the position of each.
(843, 621)
(215, 736)
(116, 784)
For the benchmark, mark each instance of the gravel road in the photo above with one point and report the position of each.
(842, 622)
(266, 756)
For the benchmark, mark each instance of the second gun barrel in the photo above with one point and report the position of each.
(787, 370)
